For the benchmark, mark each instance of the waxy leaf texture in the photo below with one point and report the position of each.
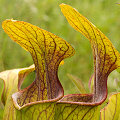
(47, 51)
(71, 111)
(44, 99)
(112, 110)
(106, 57)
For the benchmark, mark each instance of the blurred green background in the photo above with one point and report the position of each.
(46, 14)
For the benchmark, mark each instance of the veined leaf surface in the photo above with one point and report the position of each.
(106, 57)
(75, 107)
(112, 110)
(47, 51)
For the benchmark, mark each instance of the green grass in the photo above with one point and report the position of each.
(47, 15)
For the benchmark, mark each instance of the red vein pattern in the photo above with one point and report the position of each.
(106, 57)
(76, 112)
(44, 111)
(38, 100)
(112, 110)
(47, 51)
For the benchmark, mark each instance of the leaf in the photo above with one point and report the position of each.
(44, 111)
(78, 83)
(112, 110)
(11, 80)
(47, 51)
(91, 84)
(72, 107)
(106, 57)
